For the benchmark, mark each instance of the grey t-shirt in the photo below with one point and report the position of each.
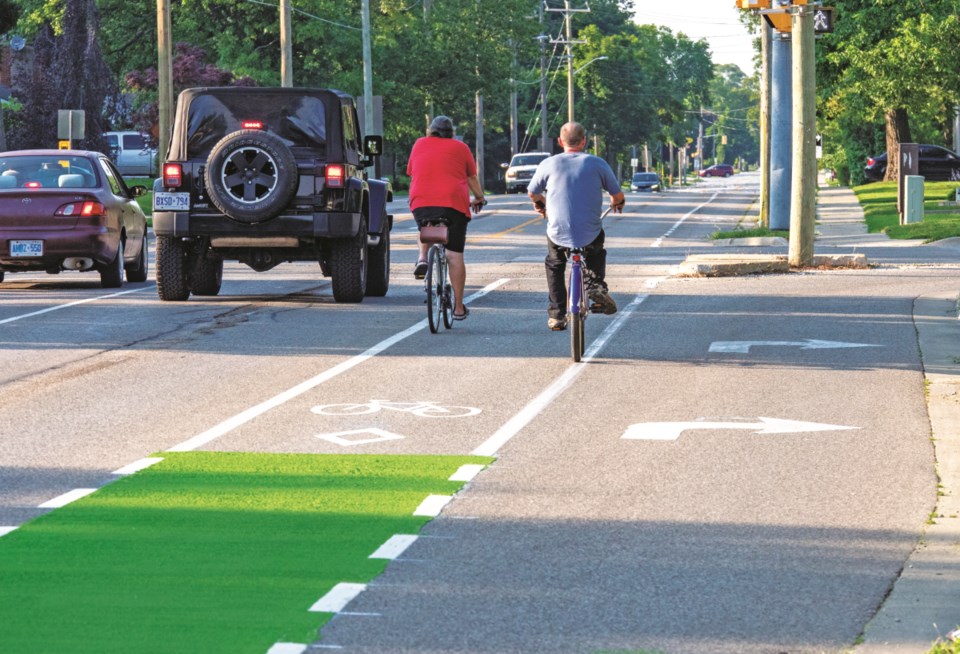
(574, 183)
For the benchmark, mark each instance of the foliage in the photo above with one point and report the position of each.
(879, 202)
(735, 115)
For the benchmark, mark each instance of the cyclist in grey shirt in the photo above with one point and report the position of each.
(571, 185)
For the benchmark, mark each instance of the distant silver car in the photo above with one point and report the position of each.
(520, 170)
(132, 154)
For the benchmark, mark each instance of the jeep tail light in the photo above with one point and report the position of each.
(172, 174)
(86, 209)
(335, 174)
(251, 124)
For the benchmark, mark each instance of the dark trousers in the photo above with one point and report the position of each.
(556, 264)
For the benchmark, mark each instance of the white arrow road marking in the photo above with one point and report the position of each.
(670, 431)
(380, 436)
(742, 347)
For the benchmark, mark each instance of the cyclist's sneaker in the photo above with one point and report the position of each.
(601, 302)
(557, 324)
(421, 270)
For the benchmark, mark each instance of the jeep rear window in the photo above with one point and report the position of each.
(297, 121)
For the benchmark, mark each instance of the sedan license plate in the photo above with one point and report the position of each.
(163, 201)
(26, 248)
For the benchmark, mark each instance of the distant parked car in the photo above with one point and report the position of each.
(521, 168)
(645, 182)
(70, 210)
(936, 164)
(718, 170)
(132, 153)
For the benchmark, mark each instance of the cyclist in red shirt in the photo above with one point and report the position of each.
(443, 173)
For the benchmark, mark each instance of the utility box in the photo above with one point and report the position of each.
(912, 200)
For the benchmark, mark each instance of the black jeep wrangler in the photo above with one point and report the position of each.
(267, 175)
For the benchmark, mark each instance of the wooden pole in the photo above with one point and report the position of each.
(803, 205)
(286, 45)
(164, 78)
(766, 35)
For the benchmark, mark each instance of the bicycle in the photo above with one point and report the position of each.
(440, 300)
(577, 307)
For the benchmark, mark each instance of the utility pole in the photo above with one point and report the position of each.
(286, 45)
(804, 179)
(698, 162)
(367, 69)
(568, 43)
(781, 130)
(766, 36)
(956, 128)
(479, 120)
(513, 105)
(544, 136)
(164, 77)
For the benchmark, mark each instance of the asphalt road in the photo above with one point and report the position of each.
(649, 498)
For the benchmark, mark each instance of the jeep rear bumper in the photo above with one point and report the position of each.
(329, 224)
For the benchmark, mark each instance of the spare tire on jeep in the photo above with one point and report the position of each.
(251, 176)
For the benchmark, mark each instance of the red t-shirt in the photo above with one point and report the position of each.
(439, 169)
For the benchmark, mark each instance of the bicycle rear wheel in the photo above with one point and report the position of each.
(434, 284)
(577, 324)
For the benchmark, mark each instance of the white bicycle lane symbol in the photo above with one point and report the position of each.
(423, 409)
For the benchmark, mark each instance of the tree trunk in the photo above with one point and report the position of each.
(897, 132)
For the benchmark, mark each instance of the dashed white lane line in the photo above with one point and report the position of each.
(492, 445)
(287, 648)
(467, 472)
(69, 304)
(432, 505)
(394, 547)
(337, 598)
(67, 498)
(670, 231)
(137, 466)
(246, 416)
(6, 530)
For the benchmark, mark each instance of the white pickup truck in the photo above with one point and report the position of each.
(132, 154)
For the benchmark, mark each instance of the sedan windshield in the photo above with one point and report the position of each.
(646, 177)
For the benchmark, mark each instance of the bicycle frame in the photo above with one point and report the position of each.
(439, 292)
(577, 310)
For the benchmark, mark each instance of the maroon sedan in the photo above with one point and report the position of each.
(70, 210)
(718, 170)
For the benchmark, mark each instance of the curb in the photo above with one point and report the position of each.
(924, 605)
(730, 265)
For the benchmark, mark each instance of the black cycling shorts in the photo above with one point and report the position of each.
(456, 224)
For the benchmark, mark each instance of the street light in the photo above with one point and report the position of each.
(570, 73)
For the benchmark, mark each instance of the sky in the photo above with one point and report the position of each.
(717, 21)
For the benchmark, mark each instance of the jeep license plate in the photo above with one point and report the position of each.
(26, 248)
(163, 201)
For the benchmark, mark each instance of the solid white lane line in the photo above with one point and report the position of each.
(467, 472)
(670, 231)
(337, 598)
(246, 416)
(68, 305)
(137, 466)
(67, 498)
(492, 445)
(394, 547)
(6, 530)
(432, 505)
(287, 648)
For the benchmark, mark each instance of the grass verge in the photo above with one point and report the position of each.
(749, 233)
(879, 202)
(208, 552)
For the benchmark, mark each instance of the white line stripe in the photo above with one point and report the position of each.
(670, 231)
(433, 505)
(492, 445)
(68, 305)
(394, 547)
(6, 530)
(66, 498)
(287, 648)
(137, 466)
(246, 416)
(467, 472)
(338, 597)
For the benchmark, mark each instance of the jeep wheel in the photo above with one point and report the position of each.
(251, 176)
(348, 267)
(378, 267)
(171, 269)
(207, 276)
